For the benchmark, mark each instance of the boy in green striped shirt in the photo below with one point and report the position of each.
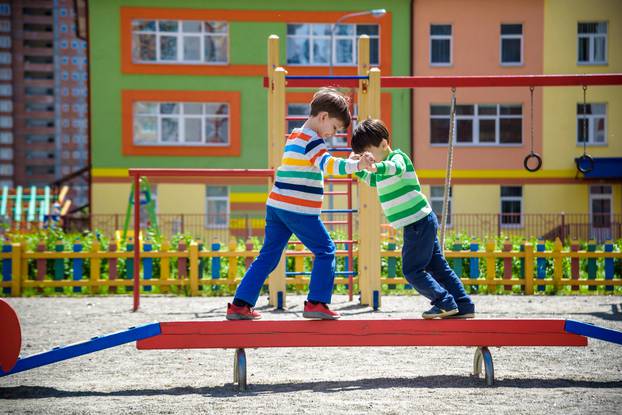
(405, 206)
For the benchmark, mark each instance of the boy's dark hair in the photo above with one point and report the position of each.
(369, 132)
(334, 103)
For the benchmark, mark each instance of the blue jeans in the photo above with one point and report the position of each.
(427, 270)
(280, 225)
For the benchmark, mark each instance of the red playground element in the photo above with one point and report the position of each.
(353, 333)
(10, 336)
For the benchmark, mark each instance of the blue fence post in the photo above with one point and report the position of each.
(592, 265)
(147, 264)
(391, 262)
(540, 264)
(215, 264)
(474, 264)
(7, 269)
(609, 265)
(129, 265)
(78, 264)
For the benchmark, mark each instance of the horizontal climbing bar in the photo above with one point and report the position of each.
(466, 81)
(359, 333)
(201, 172)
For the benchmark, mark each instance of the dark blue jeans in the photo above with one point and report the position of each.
(280, 224)
(426, 269)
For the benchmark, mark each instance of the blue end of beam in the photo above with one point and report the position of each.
(78, 349)
(596, 332)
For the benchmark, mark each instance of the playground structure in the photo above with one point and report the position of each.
(368, 84)
(27, 208)
(239, 336)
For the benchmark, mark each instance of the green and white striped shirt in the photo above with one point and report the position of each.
(399, 190)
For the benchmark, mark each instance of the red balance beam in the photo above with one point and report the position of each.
(359, 333)
(465, 81)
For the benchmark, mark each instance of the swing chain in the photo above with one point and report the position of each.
(450, 157)
(531, 88)
(584, 120)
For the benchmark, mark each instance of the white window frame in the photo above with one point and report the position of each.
(442, 37)
(440, 199)
(591, 125)
(354, 38)
(600, 196)
(226, 199)
(511, 199)
(179, 35)
(503, 37)
(592, 37)
(180, 117)
(476, 117)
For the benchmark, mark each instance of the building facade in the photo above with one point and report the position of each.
(44, 95)
(184, 89)
(497, 127)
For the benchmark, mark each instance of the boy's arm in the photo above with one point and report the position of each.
(317, 151)
(367, 177)
(395, 166)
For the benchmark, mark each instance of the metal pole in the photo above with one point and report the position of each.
(136, 241)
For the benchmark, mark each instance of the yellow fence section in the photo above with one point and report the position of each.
(194, 267)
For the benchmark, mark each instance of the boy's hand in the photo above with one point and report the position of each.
(366, 161)
(354, 156)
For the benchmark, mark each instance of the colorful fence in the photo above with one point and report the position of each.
(198, 268)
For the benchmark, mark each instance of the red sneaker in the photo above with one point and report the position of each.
(319, 311)
(235, 312)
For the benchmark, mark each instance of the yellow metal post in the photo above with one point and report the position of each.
(529, 268)
(194, 268)
(299, 265)
(165, 266)
(490, 266)
(276, 137)
(233, 263)
(369, 215)
(16, 262)
(95, 269)
(557, 263)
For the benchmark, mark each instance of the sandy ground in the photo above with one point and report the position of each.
(386, 380)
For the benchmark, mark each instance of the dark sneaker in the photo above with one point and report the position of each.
(436, 312)
(235, 312)
(463, 315)
(319, 311)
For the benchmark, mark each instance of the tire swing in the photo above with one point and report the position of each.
(585, 163)
(529, 165)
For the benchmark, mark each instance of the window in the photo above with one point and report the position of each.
(480, 124)
(6, 90)
(511, 44)
(180, 41)
(5, 42)
(601, 201)
(6, 154)
(177, 123)
(5, 58)
(594, 123)
(309, 44)
(5, 9)
(6, 105)
(440, 45)
(6, 170)
(217, 207)
(300, 111)
(511, 206)
(436, 201)
(6, 122)
(6, 74)
(592, 43)
(5, 25)
(6, 137)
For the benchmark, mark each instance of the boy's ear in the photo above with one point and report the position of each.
(385, 143)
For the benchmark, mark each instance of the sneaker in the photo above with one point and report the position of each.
(235, 312)
(463, 315)
(436, 312)
(319, 311)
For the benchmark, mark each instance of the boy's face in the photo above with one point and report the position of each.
(327, 127)
(380, 151)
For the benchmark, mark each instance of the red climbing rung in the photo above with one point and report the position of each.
(359, 333)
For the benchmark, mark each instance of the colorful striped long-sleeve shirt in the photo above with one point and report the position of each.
(399, 190)
(299, 181)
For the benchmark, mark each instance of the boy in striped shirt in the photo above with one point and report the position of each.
(294, 206)
(423, 263)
